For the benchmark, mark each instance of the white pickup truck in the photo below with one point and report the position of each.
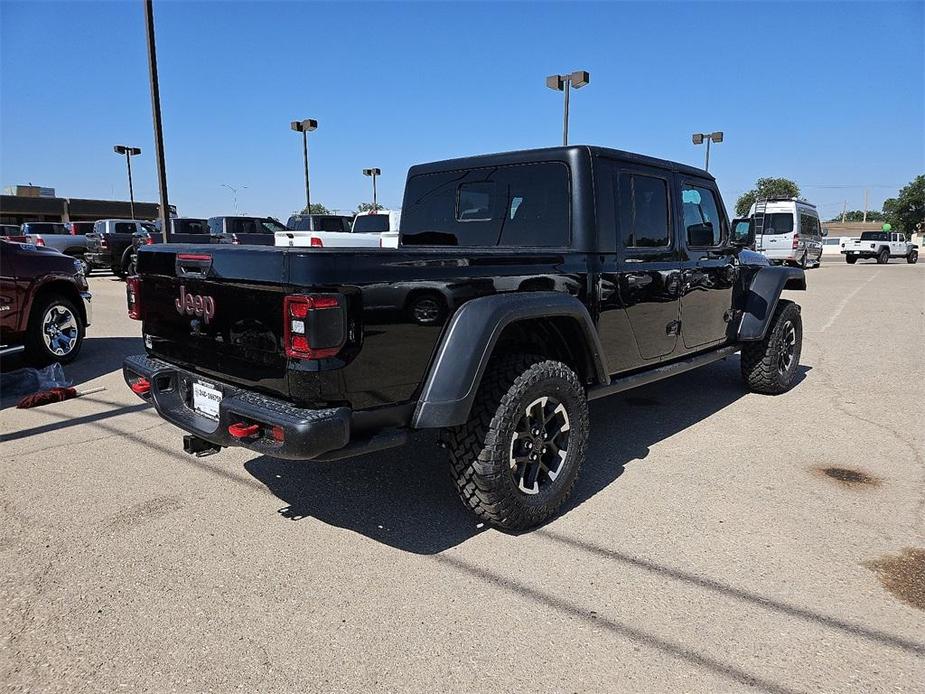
(370, 230)
(881, 245)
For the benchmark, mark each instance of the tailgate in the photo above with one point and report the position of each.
(217, 311)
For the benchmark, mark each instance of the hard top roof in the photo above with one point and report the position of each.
(567, 153)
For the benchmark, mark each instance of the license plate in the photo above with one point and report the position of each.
(206, 400)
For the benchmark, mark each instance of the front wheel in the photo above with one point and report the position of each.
(516, 460)
(913, 257)
(770, 366)
(883, 257)
(55, 331)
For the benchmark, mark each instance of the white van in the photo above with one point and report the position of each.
(791, 233)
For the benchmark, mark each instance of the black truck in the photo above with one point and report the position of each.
(564, 275)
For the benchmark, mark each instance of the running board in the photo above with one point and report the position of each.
(7, 350)
(621, 383)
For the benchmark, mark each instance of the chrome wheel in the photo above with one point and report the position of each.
(60, 330)
(539, 444)
(426, 310)
(786, 348)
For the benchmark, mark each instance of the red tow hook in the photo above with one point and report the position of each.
(141, 387)
(240, 430)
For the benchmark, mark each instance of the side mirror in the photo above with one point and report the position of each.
(743, 232)
(824, 232)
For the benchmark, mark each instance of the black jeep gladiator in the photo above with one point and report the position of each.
(565, 274)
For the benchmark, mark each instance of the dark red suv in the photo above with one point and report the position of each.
(44, 303)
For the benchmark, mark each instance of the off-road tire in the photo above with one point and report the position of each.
(760, 360)
(913, 257)
(37, 351)
(480, 450)
(883, 257)
(851, 259)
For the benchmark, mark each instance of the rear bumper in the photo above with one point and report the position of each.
(98, 260)
(306, 433)
(861, 254)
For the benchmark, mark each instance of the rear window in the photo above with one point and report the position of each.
(190, 226)
(778, 223)
(371, 223)
(516, 205)
(44, 228)
(124, 228)
(329, 224)
(875, 236)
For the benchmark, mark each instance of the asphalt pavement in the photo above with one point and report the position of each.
(716, 541)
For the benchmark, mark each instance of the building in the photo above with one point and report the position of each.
(37, 204)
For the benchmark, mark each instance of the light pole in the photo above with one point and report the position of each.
(129, 152)
(373, 173)
(305, 126)
(234, 192)
(156, 115)
(698, 139)
(561, 83)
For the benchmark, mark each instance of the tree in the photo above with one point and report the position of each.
(766, 188)
(316, 208)
(858, 216)
(908, 208)
(366, 207)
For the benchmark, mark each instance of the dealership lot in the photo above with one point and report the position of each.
(705, 548)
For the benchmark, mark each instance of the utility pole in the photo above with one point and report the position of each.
(156, 113)
(844, 212)
(866, 197)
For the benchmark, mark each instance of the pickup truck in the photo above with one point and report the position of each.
(881, 245)
(566, 274)
(57, 237)
(44, 303)
(113, 241)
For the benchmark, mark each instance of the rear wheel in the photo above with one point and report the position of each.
(516, 460)
(770, 366)
(851, 259)
(55, 331)
(427, 309)
(913, 257)
(883, 257)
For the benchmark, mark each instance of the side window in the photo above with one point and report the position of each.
(703, 224)
(125, 228)
(215, 225)
(643, 210)
(474, 201)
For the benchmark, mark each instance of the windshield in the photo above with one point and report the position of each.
(371, 223)
(778, 223)
(150, 228)
(874, 236)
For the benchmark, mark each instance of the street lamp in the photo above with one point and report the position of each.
(129, 152)
(234, 192)
(305, 126)
(561, 83)
(373, 173)
(698, 139)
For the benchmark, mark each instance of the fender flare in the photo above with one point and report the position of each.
(469, 340)
(762, 297)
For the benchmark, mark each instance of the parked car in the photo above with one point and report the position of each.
(253, 231)
(881, 245)
(788, 231)
(111, 245)
(11, 232)
(319, 222)
(58, 237)
(573, 281)
(189, 230)
(833, 245)
(44, 303)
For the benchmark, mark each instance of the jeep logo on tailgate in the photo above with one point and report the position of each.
(195, 305)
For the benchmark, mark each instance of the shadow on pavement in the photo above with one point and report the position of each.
(405, 498)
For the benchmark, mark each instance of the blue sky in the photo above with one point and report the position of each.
(830, 94)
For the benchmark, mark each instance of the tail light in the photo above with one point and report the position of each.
(796, 242)
(39, 241)
(234, 239)
(314, 325)
(149, 241)
(72, 230)
(133, 296)
(317, 242)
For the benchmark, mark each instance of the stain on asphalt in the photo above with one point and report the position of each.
(848, 477)
(140, 513)
(903, 575)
